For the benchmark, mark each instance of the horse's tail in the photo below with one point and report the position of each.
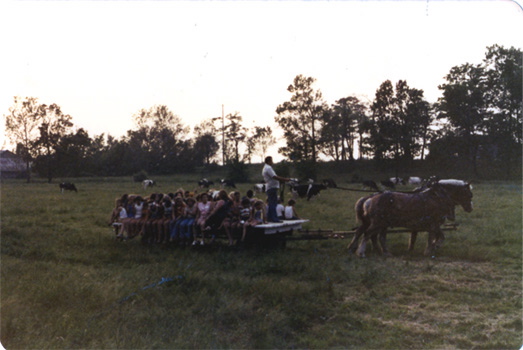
(360, 210)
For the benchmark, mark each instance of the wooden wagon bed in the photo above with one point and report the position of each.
(274, 234)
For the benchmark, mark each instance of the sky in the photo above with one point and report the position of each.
(103, 61)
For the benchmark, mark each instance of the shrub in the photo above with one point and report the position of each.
(140, 176)
(237, 172)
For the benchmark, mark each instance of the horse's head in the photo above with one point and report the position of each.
(460, 192)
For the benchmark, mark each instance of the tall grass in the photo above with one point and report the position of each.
(66, 283)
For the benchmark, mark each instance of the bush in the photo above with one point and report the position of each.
(283, 169)
(238, 172)
(306, 169)
(140, 176)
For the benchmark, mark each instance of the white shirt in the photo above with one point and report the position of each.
(138, 208)
(268, 175)
(123, 213)
(289, 212)
(279, 210)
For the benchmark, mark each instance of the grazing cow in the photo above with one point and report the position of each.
(370, 184)
(388, 184)
(330, 183)
(414, 180)
(227, 183)
(307, 191)
(67, 186)
(397, 180)
(204, 183)
(419, 211)
(148, 183)
(260, 188)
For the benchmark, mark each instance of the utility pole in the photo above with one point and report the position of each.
(223, 137)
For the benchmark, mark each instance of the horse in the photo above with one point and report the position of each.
(461, 194)
(423, 210)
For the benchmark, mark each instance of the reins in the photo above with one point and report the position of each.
(354, 189)
(372, 191)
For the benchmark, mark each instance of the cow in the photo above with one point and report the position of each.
(227, 183)
(397, 180)
(204, 183)
(330, 183)
(414, 180)
(370, 184)
(148, 183)
(260, 188)
(388, 184)
(67, 186)
(307, 191)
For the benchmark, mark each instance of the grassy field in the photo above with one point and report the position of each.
(66, 283)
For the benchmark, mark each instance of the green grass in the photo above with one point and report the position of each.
(66, 283)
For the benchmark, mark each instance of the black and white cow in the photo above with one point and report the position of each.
(204, 183)
(388, 184)
(307, 191)
(260, 188)
(227, 183)
(148, 183)
(414, 180)
(397, 180)
(67, 186)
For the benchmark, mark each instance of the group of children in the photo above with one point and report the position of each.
(184, 218)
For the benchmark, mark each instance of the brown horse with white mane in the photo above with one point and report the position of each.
(424, 210)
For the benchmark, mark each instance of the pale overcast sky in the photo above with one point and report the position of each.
(103, 61)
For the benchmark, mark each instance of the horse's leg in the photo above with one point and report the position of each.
(357, 235)
(371, 231)
(434, 233)
(412, 240)
(440, 238)
(375, 244)
(383, 242)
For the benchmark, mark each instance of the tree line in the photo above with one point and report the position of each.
(479, 116)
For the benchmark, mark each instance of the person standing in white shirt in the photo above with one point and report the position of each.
(272, 185)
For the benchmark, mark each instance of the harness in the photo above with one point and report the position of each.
(442, 197)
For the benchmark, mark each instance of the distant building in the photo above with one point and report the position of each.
(11, 165)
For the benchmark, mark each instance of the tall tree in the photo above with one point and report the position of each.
(205, 145)
(300, 120)
(413, 119)
(261, 140)
(235, 135)
(21, 126)
(400, 120)
(54, 125)
(504, 98)
(463, 106)
(73, 154)
(160, 140)
(340, 127)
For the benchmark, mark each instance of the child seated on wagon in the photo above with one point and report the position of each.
(187, 221)
(290, 211)
(204, 209)
(257, 217)
(118, 219)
